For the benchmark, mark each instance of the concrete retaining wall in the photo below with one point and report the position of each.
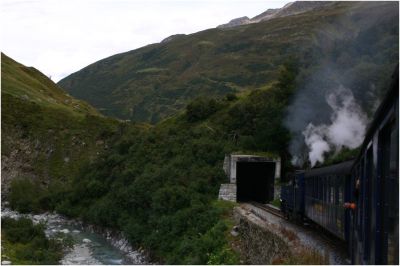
(227, 192)
(259, 244)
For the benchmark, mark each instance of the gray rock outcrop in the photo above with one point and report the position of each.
(289, 9)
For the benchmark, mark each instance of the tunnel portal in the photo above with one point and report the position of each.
(255, 181)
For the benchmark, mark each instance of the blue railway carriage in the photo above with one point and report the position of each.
(325, 194)
(292, 196)
(374, 234)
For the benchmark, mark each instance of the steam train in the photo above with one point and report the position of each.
(357, 201)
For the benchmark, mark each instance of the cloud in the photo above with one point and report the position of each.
(61, 37)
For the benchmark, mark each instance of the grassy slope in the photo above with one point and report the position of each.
(29, 84)
(46, 134)
(155, 81)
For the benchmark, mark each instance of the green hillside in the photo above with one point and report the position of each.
(46, 134)
(154, 82)
(29, 84)
(160, 186)
(157, 184)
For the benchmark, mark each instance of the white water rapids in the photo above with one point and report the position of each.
(89, 247)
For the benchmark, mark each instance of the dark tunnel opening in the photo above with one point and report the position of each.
(255, 181)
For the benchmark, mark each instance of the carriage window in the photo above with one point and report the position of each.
(341, 195)
(331, 190)
(314, 188)
(327, 189)
(319, 189)
(313, 185)
(337, 191)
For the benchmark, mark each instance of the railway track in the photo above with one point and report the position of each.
(312, 233)
(268, 208)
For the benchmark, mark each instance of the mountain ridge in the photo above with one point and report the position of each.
(156, 81)
(292, 8)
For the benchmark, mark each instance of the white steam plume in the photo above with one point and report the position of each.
(347, 128)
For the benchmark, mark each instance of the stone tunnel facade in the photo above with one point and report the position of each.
(251, 178)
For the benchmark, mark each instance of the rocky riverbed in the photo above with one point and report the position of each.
(90, 244)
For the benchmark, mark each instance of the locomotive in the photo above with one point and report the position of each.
(357, 201)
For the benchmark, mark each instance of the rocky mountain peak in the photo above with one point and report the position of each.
(292, 8)
(235, 22)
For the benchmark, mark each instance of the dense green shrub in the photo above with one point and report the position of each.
(21, 230)
(255, 122)
(201, 108)
(231, 97)
(159, 190)
(26, 243)
(27, 195)
(24, 195)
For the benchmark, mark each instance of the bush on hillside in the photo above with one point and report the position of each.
(201, 108)
(24, 195)
(26, 243)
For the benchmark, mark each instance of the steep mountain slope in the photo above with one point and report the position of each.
(154, 82)
(46, 134)
(29, 84)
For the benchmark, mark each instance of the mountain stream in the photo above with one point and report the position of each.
(88, 247)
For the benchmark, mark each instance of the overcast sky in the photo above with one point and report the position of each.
(59, 37)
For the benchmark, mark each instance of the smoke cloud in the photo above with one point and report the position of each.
(347, 127)
(341, 80)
